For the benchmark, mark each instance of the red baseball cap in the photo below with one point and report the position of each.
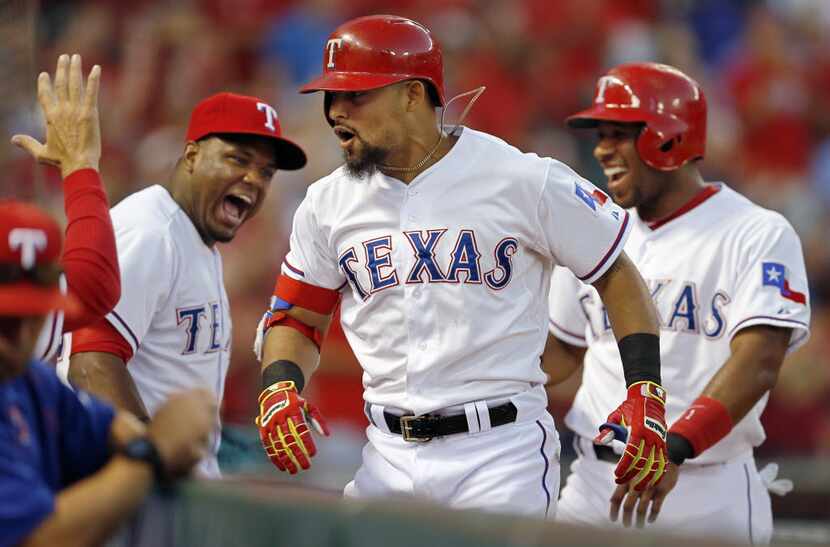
(30, 248)
(232, 113)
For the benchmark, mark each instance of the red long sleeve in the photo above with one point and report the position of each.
(90, 259)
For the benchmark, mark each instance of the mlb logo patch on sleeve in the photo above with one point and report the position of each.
(775, 275)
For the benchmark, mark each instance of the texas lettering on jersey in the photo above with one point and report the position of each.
(191, 319)
(463, 264)
(680, 307)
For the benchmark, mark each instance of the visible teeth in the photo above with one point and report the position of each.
(247, 199)
(612, 172)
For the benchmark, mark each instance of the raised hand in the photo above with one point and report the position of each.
(73, 129)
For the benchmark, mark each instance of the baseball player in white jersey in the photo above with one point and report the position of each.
(73, 145)
(441, 247)
(171, 330)
(728, 280)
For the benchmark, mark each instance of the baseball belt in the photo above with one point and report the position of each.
(606, 453)
(426, 427)
(603, 453)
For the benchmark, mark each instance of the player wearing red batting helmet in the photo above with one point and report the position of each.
(440, 246)
(728, 280)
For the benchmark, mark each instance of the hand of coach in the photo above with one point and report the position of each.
(73, 135)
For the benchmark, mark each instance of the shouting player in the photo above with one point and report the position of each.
(441, 247)
(172, 324)
(73, 145)
(728, 280)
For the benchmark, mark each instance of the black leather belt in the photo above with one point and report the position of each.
(427, 427)
(606, 453)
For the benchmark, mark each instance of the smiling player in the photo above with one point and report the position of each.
(172, 324)
(729, 283)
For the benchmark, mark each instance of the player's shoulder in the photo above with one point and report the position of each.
(495, 148)
(147, 220)
(496, 157)
(150, 210)
(336, 179)
(745, 217)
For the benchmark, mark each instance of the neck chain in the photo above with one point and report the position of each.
(418, 165)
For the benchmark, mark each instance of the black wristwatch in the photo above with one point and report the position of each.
(142, 449)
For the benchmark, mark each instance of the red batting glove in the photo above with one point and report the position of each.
(644, 411)
(283, 427)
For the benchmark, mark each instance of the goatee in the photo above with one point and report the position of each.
(366, 163)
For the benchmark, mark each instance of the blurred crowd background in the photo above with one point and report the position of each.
(765, 67)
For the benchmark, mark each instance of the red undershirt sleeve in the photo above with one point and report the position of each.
(101, 337)
(89, 259)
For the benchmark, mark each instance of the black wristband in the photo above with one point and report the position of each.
(144, 450)
(679, 448)
(282, 370)
(640, 355)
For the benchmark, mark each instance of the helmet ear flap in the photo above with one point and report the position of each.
(655, 149)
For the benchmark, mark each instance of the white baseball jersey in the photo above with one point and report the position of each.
(722, 266)
(444, 279)
(49, 340)
(173, 311)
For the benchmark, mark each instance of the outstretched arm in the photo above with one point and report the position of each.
(73, 145)
(635, 325)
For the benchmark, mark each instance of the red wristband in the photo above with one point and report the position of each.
(280, 319)
(704, 423)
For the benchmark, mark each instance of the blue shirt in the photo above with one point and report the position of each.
(50, 437)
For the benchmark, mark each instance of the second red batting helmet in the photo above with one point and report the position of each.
(376, 51)
(670, 104)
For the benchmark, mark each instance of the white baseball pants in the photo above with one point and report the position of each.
(727, 500)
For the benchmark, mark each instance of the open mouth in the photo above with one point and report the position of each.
(234, 208)
(615, 173)
(344, 134)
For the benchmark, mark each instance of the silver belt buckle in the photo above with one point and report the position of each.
(406, 430)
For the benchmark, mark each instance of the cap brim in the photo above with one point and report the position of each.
(352, 81)
(290, 156)
(25, 299)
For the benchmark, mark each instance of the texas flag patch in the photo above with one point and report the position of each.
(775, 275)
(590, 199)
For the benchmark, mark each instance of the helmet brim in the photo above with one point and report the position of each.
(352, 81)
(591, 117)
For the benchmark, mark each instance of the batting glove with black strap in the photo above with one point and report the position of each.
(283, 422)
(641, 421)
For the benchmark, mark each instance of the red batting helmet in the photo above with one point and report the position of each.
(376, 51)
(670, 104)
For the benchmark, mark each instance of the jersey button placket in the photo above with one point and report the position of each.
(410, 308)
